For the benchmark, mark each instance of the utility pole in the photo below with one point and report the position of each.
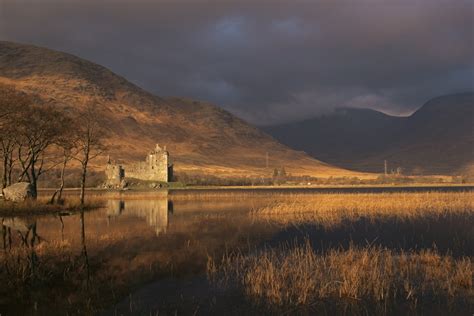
(385, 166)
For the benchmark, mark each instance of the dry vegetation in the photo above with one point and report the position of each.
(376, 276)
(298, 276)
(331, 209)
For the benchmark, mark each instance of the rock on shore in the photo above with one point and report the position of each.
(18, 192)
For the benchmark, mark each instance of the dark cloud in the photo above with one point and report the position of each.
(266, 61)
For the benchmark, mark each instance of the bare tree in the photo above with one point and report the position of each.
(7, 148)
(67, 156)
(12, 104)
(89, 142)
(38, 129)
(67, 146)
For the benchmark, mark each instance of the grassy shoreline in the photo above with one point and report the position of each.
(276, 187)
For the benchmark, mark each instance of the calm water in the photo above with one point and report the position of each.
(133, 240)
(153, 247)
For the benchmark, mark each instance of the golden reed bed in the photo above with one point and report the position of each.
(298, 276)
(331, 208)
(374, 278)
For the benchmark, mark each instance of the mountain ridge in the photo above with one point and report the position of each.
(202, 138)
(435, 139)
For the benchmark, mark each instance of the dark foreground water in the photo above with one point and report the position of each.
(146, 253)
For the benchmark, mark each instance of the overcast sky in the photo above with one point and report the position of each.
(266, 61)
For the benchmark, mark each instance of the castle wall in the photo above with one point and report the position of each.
(145, 171)
(156, 167)
(114, 175)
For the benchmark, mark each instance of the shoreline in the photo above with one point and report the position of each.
(277, 187)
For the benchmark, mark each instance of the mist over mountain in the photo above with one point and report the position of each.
(437, 139)
(201, 138)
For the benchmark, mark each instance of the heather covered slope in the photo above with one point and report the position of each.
(436, 139)
(201, 137)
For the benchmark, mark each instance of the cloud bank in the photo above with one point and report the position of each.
(266, 61)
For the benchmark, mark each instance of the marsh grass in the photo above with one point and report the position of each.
(374, 277)
(331, 209)
(377, 278)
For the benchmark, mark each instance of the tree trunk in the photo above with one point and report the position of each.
(10, 169)
(5, 172)
(84, 172)
(83, 183)
(61, 186)
(59, 192)
(33, 181)
(7, 150)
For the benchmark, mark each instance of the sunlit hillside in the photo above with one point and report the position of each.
(201, 138)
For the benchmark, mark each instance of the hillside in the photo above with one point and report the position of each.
(436, 139)
(201, 138)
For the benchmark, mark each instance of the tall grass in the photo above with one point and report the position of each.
(295, 275)
(371, 277)
(331, 209)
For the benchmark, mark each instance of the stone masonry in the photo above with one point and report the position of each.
(156, 167)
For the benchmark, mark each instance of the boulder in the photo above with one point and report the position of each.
(123, 184)
(18, 192)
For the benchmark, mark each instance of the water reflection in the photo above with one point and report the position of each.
(155, 212)
(85, 261)
(24, 227)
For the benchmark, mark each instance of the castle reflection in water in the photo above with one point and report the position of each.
(155, 211)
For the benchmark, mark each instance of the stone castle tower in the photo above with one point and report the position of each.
(114, 174)
(156, 167)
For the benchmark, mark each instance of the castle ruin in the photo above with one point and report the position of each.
(156, 167)
(114, 175)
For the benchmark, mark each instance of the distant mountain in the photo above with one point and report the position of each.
(202, 138)
(436, 139)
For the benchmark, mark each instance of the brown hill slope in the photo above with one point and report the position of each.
(436, 139)
(201, 138)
